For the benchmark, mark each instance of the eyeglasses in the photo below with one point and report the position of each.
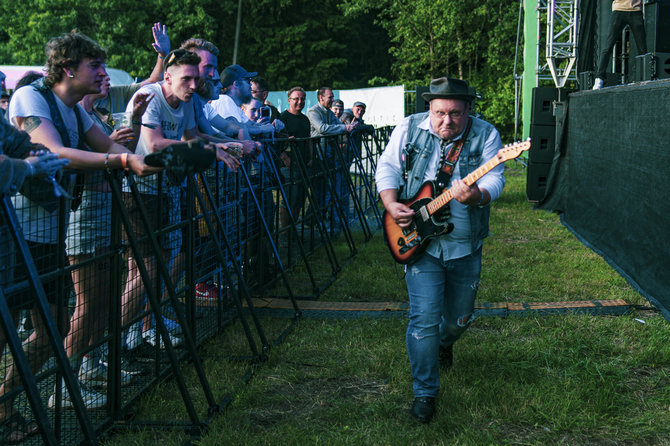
(296, 99)
(257, 91)
(452, 115)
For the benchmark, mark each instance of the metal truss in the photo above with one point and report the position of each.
(560, 19)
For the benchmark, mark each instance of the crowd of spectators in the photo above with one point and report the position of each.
(64, 131)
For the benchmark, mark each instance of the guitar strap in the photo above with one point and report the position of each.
(448, 160)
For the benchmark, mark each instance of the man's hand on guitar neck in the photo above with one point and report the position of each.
(401, 213)
(469, 195)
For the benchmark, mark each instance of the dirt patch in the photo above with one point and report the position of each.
(306, 399)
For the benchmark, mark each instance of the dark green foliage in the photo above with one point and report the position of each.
(289, 42)
(340, 43)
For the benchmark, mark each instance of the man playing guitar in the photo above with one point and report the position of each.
(444, 145)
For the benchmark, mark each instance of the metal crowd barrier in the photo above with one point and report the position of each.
(203, 246)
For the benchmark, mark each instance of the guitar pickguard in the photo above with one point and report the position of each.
(427, 225)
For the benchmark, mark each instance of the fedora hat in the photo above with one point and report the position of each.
(448, 88)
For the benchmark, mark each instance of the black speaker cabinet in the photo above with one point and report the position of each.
(662, 65)
(542, 112)
(536, 180)
(543, 138)
(651, 66)
(657, 25)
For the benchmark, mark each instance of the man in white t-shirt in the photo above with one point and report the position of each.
(48, 111)
(169, 119)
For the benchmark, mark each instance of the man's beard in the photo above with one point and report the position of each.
(246, 98)
(205, 89)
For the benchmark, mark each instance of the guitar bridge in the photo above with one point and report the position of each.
(403, 249)
(423, 211)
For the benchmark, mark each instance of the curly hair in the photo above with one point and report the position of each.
(67, 51)
(195, 43)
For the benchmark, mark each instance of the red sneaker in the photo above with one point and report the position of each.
(206, 294)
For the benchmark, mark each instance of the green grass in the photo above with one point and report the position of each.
(571, 379)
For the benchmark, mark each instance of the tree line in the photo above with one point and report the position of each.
(342, 43)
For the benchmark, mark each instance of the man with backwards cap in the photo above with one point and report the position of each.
(236, 83)
(444, 144)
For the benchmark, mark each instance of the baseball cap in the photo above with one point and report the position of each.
(233, 73)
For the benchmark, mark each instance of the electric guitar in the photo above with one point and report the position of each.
(406, 243)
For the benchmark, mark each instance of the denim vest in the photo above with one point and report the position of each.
(418, 151)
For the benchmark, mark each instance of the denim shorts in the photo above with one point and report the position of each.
(90, 225)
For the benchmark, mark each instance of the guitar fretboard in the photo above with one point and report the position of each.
(445, 197)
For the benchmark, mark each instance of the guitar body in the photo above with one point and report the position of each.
(427, 224)
(406, 243)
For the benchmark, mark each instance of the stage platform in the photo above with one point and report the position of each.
(610, 181)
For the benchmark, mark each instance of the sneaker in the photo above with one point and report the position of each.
(129, 365)
(25, 329)
(150, 337)
(134, 336)
(98, 377)
(206, 294)
(92, 399)
(598, 84)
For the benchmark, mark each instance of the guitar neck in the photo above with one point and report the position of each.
(445, 197)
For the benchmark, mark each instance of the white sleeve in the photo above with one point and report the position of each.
(209, 111)
(494, 181)
(27, 101)
(389, 173)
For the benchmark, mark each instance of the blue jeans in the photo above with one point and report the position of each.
(441, 306)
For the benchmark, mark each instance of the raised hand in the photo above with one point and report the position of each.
(140, 104)
(161, 40)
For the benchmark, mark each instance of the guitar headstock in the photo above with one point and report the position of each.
(511, 151)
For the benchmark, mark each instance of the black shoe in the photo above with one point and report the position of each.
(446, 356)
(423, 408)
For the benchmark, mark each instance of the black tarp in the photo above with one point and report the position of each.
(611, 181)
(588, 36)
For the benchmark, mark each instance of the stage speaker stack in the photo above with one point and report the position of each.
(543, 139)
(656, 63)
(657, 25)
(651, 66)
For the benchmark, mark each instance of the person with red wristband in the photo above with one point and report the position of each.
(49, 112)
